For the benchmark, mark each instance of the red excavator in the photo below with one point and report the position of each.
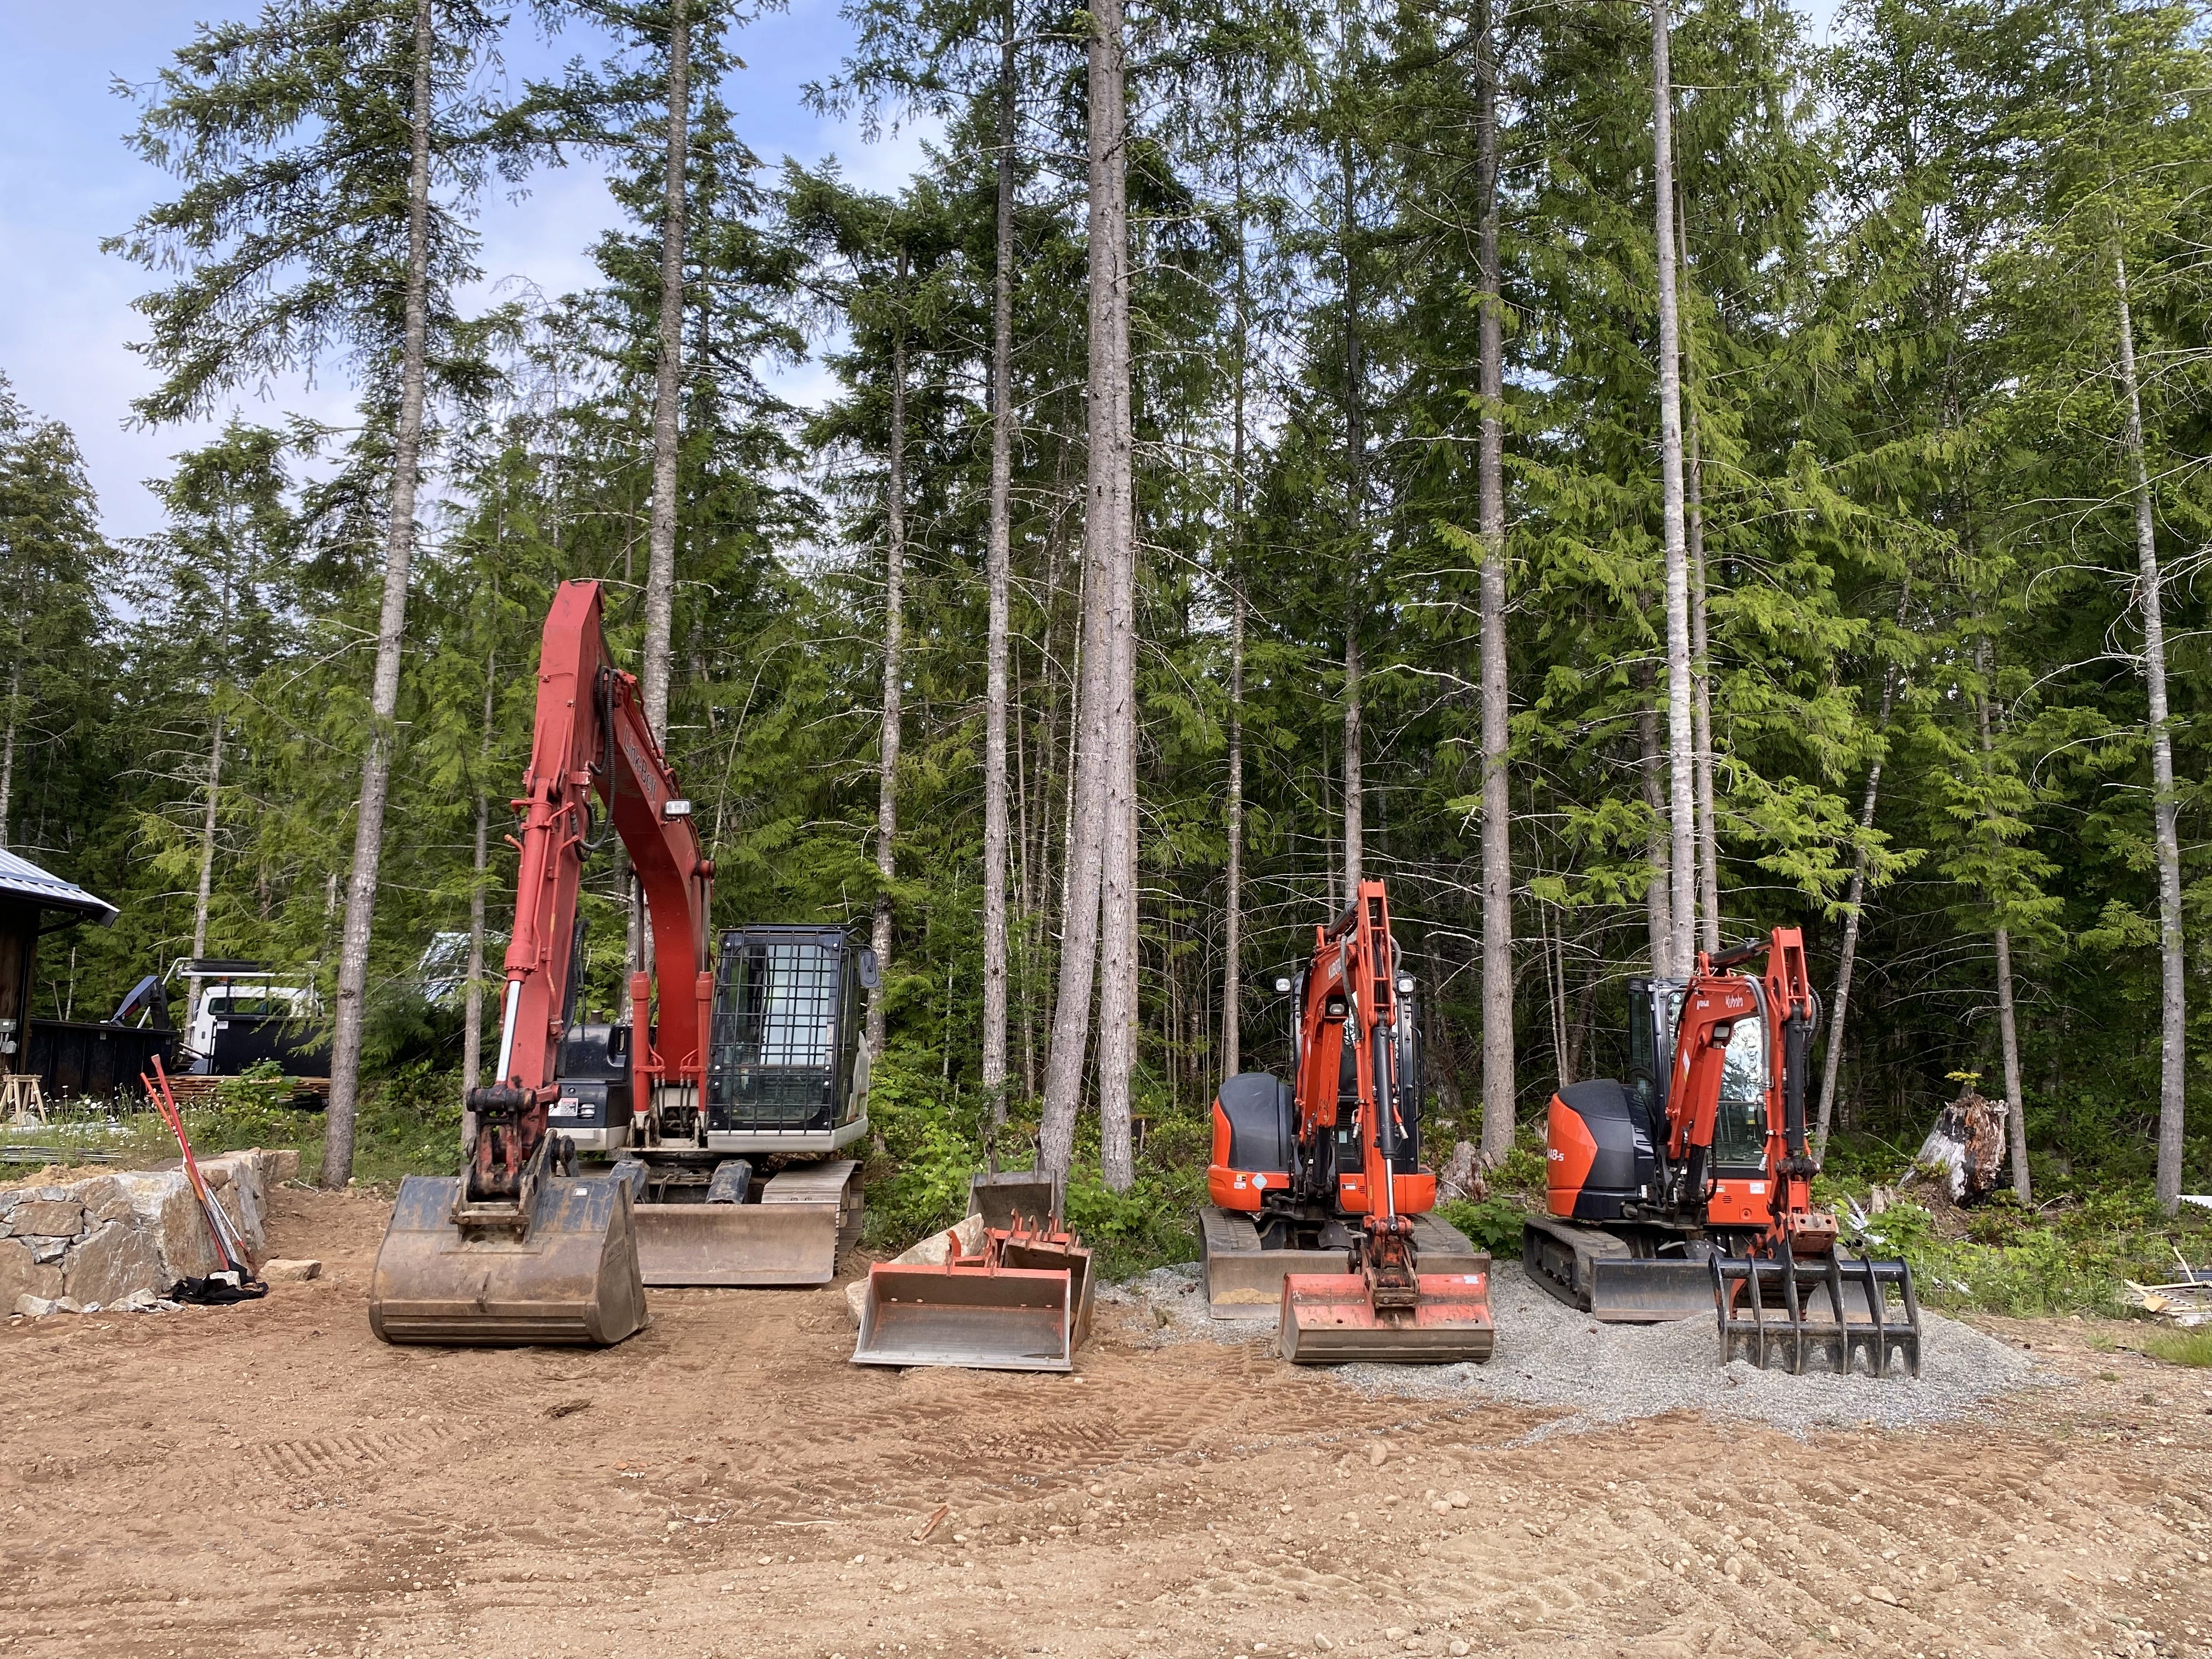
(1688, 1189)
(754, 1054)
(1327, 1170)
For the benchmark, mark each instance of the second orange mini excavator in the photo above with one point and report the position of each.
(1334, 1161)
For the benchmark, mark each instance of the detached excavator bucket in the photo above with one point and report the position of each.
(1024, 1305)
(567, 1275)
(1828, 1313)
(1328, 1319)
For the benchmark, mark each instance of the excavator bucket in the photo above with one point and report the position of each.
(566, 1275)
(1828, 1313)
(805, 1218)
(1330, 1319)
(1024, 1305)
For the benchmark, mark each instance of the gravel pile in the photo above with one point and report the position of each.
(1548, 1355)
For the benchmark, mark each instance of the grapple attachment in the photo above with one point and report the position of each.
(1022, 1305)
(561, 1268)
(1829, 1313)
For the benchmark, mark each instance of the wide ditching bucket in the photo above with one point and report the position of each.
(560, 1269)
(1330, 1319)
(1828, 1313)
(1022, 1305)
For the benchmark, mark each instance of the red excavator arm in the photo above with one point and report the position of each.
(1714, 1002)
(1352, 981)
(591, 738)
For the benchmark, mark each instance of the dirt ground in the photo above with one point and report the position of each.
(270, 1480)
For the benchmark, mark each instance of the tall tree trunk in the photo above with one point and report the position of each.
(1498, 1093)
(472, 1003)
(1855, 908)
(1681, 743)
(2164, 808)
(7, 740)
(391, 637)
(205, 901)
(997, 560)
(894, 689)
(1658, 894)
(1113, 501)
(1709, 853)
(2007, 1024)
(1355, 449)
(668, 384)
(1081, 871)
(1232, 903)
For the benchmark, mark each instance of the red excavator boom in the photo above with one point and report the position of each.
(591, 739)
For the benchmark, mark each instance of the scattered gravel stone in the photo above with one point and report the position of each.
(1548, 1355)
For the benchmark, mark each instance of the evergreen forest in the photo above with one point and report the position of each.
(1628, 477)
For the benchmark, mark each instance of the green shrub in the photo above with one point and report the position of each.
(1492, 1224)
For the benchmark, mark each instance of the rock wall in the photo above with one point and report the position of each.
(98, 1240)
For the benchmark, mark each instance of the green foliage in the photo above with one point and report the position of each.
(2181, 1347)
(1492, 1224)
(2015, 1263)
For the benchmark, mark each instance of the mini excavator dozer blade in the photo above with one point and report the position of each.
(559, 1268)
(1385, 1310)
(1022, 1305)
(1328, 1319)
(1826, 1313)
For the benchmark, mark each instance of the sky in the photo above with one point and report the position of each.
(67, 180)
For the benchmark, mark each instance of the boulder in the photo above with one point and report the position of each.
(115, 1262)
(47, 1218)
(21, 1274)
(966, 1235)
(278, 1270)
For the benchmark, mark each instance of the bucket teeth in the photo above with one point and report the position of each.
(1828, 1313)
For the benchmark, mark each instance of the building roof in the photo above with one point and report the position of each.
(20, 878)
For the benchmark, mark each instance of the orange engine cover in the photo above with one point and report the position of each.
(1570, 1149)
(1233, 1189)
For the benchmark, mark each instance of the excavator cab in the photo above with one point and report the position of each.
(755, 1194)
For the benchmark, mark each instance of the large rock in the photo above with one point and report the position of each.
(111, 1235)
(21, 1274)
(965, 1235)
(47, 1218)
(112, 1264)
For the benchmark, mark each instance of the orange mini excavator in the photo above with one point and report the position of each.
(1690, 1186)
(1328, 1171)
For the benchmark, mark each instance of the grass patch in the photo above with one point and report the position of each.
(2181, 1347)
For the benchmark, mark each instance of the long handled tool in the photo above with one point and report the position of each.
(236, 1280)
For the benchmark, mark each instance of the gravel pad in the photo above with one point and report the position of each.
(1549, 1355)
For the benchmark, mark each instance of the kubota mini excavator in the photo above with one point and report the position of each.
(1688, 1189)
(1326, 1174)
(756, 1052)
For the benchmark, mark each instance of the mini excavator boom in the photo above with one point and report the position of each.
(1337, 1155)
